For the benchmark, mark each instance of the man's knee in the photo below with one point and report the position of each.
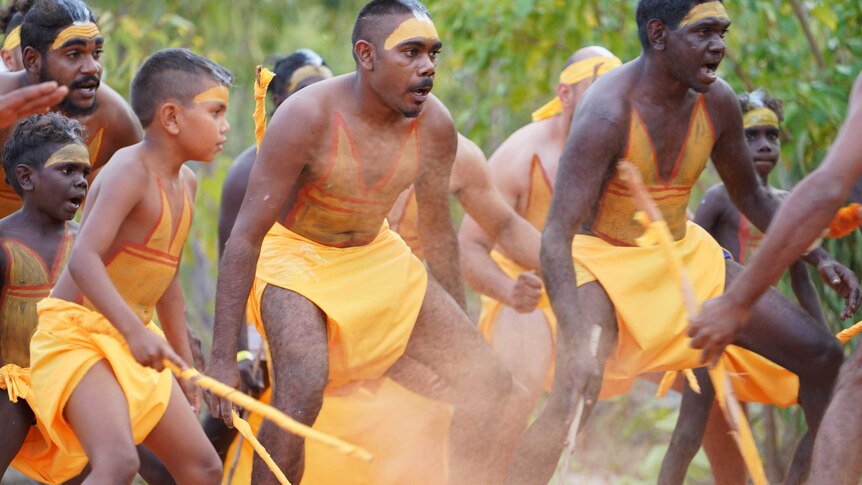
(300, 393)
(828, 359)
(121, 463)
(207, 469)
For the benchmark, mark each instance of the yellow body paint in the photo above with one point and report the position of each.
(88, 30)
(760, 117)
(12, 40)
(412, 28)
(73, 152)
(306, 72)
(215, 93)
(704, 11)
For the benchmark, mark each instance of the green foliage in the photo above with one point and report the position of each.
(500, 61)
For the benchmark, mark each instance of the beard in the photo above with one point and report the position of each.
(66, 105)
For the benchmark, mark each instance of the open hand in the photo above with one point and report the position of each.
(844, 282)
(30, 100)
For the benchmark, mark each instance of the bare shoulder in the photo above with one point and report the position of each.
(469, 151)
(126, 168)
(435, 119)
(10, 81)
(721, 103)
(607, 102)
(190, 180)
(717, 196)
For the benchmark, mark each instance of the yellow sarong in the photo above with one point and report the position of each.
(491, 310)
(371, 295)
(652, 317)
(69, 340)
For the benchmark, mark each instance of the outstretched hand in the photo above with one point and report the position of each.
(716, 326)
(844, 282)
(30, 100)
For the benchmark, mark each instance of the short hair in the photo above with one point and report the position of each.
(761, 98)
(13, 15)
(177, 74)
(286, 66)
(35, 139)
(365, 27)
(46, 18)
(670, 12)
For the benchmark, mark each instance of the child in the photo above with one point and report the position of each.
(47, 164)
(95, 341)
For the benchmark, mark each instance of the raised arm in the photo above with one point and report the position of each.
(481, 199)
(436, 232)
(286, 150)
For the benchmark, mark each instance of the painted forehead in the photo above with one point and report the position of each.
(703, 11)
(87, 30)
(71, 153)
(218, 93)
(417, 26)
(760, 117)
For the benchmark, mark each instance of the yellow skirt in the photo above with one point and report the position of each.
(69, 340)
(491, 310)
(371, 295)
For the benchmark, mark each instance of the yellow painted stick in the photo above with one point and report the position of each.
(654, 222)
(244, 430)
(277, 417)
(849, 332)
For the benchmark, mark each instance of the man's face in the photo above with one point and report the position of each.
(697, 47)
(76, 63)
(405, 64)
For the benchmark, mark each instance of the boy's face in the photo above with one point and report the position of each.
(203, 125)
(59, 188)
(764, 142)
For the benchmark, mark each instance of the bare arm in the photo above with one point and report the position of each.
(436, 232)
(110, 205)
(287, 148)
(232, 194)
(805, 292)
(711, 208)
(484, 203)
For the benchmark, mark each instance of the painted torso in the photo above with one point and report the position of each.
(142, 272)
(614, 218)
(345, 206)
(27, 280)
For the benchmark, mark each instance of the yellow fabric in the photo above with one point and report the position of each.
(306, 72)
(87, 30)
(27, 280)
(704, 11)
(369, 317)
(573, 74)
(13, 39)
(15, 381)
(143, 272)
(416, 27)
(264, 77)
(70, 339)
(340, 200)
(614, 221)
(650, 312)
(760, 117)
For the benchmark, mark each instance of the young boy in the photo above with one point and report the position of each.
(47, 163)
(95, 342)
(762, 115)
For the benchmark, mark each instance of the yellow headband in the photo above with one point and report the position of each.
(704, 11)
(12, 40)
(306, 72)
(88, 30)
(215, 93)
(760, 117)
(411, 28)
(575, 73)
(73, 152)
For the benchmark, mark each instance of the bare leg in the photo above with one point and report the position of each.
(785, 334)
(296, 331)
(487, 416)
(152, 470)
(728, 467)
(838, 447)
(98, 413)
(180, 443)
(525, 345)
(688, 433)
(540, 448)
(17, 419)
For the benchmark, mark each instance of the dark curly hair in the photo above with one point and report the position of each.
(35, 139)
(46, 18)
(761, 98)
(285, 67)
